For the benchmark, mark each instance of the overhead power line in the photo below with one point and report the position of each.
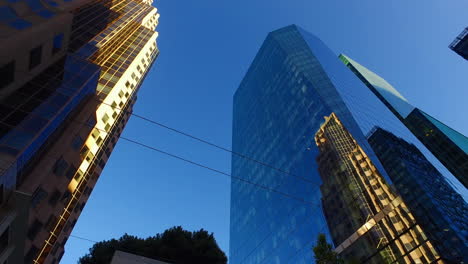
(260, 186)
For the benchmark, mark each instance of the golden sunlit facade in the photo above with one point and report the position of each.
(367, 220)
(124, 50)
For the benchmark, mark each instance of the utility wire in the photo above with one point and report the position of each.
(261, 186)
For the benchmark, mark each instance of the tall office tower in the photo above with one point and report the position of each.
(429, 196)
(448, 145)
(70, 72)
(278, 209)
(354, 192)
(460, 44)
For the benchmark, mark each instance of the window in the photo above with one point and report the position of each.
(34, 229)
(35, 57)
(87, 191)
(7, 74)
(4, 240)
(31, 254)
(95, 133)
(70, 172)
(38, 196)
(54, 197)
(84, 151)
(1, 194)
(101, 164)
(51, 222)
(127, 84)
(77, 142)
(55, 249)
(65, 196)
(91, 120)
(105, 118)
(60, 167)
(57, 43)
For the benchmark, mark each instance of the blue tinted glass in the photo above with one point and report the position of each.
(33, 124)
(52, 3)
(7, 14)
(293, 82)
(456, 137)
(17, 139)
(58, 39)
(35, 5)
(46, 13)
(20, 24)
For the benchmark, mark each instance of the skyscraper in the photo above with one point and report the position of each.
(70, 74)
(460, 44)
(358, 202)
(326, 178)
(430, 198)
(448, 145)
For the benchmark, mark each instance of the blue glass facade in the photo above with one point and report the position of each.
(429, 196)
(448, 145)
(294, 81)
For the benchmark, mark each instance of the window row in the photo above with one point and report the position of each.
(7, 71)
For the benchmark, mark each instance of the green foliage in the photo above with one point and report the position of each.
(323, 252)
(175, 245)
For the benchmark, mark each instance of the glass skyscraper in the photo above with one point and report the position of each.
(303, 112)
(448, 145)
(460, 44)
(70, 72)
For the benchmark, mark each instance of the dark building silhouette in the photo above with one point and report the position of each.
(440, 211)
(460, 44)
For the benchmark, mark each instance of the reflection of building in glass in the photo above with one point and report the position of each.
(448, 145)
(293, 82)
(460, 44)
(437, 207)
(70, 72)
(367, 221)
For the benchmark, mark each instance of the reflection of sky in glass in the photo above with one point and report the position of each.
(456, 137)
(279, 106)
(367, 109)
(393, 97)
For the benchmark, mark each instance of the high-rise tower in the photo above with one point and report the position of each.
(327, 178)
(460, 44)
(70, 73)
(447, 144)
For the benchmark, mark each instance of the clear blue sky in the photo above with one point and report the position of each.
(206, 47)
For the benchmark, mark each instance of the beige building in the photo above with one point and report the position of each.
(70, 71)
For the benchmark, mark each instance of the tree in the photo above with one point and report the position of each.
(324, 253)
(174, 245)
